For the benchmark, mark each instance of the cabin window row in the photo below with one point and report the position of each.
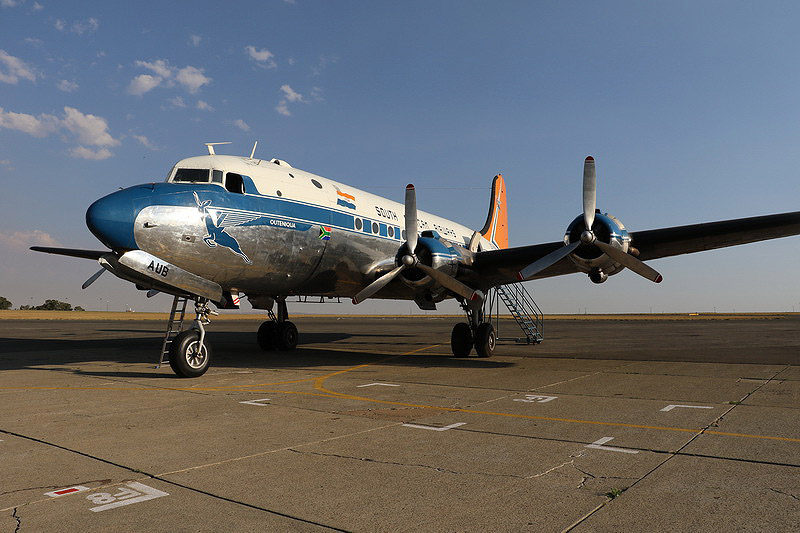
(368, 226)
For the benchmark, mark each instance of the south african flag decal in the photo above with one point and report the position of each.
(324, 233)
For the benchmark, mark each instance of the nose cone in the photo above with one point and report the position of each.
(111, 219)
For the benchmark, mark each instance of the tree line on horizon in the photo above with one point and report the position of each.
(48, 305)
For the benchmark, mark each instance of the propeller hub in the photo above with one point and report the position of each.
(409, 260)
(587, 237)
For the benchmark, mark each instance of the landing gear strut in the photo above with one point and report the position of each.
(190, 354)
(476, 332)
(277, 332)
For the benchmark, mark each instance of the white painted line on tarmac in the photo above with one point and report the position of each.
(432, 428)
(598, 445)
(381, 384)
(260, 402)
(133, 493)
(66, 490)
(671, 407)
(530, 398)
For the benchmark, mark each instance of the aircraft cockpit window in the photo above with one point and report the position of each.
(234, 183)
(195, 175)
(216, 176)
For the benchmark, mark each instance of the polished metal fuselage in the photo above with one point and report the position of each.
(303, 235)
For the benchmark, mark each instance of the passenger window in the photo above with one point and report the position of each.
(216, 176)
(234, 183)
(195, 175)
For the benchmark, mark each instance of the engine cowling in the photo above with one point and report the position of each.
(591, 259)
(433, 251)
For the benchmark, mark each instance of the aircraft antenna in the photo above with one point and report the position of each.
(211, 146)
(253, 152)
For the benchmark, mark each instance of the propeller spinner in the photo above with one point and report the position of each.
(588, 237)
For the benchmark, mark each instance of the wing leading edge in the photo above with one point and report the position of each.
(499, 267)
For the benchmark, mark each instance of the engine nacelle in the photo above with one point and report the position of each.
(591, 259)
(435, 252)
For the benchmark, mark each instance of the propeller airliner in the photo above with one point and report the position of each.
(221, 225)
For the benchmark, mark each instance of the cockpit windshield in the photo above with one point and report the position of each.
(195, 175)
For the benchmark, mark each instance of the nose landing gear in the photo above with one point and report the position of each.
(190, 354)
(278, 333)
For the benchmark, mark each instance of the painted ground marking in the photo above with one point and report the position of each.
(531, 398)
(432, 428)
(598, 445)
(66, 490)
(671, 407)
(133, 493)
(261, 402)
(381, 384)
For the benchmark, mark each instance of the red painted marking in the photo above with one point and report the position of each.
(659, 279)
(65, 491)
(520, 276)
(589, 158)
(410, 186)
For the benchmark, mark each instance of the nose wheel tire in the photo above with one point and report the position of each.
(266, 335)
(286, 336)
(187, 357)
(461, 340)
(485, 340)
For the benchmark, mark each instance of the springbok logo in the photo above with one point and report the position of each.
(216, 234)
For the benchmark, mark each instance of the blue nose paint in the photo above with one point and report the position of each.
(111, 218)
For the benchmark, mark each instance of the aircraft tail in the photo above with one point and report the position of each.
(496, 228)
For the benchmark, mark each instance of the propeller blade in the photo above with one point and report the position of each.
(93, 278)
(451, 283)
(589, 192)
(550, 259)
(377, 285)
(411, 218)
(629, 261)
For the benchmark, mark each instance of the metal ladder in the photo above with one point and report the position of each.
(523, 309)
(179, 311)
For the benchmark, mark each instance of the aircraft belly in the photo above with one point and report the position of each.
(274, 256)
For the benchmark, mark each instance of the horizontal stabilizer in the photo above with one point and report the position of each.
(72, 252)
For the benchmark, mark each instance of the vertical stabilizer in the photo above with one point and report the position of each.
(496, 228)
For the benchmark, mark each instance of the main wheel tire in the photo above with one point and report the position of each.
(187, 357)
(461, 340)
(286, 336)
(267, 332)
(485, 340)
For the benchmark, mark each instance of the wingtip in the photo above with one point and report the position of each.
(659, 279)
(410, 186)
(589, 158)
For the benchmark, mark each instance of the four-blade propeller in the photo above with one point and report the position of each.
(410, 260)
(588, 237)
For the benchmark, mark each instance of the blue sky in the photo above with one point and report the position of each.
(690, 108)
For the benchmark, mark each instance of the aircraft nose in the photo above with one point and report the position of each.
(111, 219)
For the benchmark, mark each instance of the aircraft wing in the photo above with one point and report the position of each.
(72, 252)
(497, 267)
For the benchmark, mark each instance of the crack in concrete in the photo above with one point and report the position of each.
(786, 494)
(410, 465)
(16, 517)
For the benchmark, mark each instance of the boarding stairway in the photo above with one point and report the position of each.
(174, 326)
(524, 310)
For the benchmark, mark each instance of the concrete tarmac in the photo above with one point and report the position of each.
(371, 425)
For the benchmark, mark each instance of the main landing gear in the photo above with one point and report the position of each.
(278, 333)
(476, 332)
(189, 353)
